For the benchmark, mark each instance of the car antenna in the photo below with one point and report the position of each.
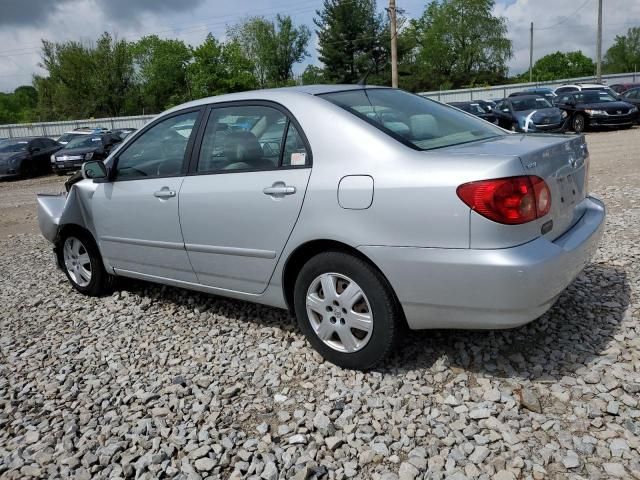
(363, 80)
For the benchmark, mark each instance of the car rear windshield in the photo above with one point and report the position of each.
(413, 120)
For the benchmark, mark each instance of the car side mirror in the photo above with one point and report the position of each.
(95, 170)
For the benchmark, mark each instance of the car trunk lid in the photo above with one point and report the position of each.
(563, 165)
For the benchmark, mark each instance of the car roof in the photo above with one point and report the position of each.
(23, 139)
(272, 94)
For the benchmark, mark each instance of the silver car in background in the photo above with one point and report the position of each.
(360, 209)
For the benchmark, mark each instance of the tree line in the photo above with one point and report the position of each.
(453, 44)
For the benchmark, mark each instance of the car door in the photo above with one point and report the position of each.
(243, 196)
(136, 212)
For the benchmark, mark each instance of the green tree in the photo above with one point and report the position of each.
(559, 65)
(113, 75)
(624, 55)
(19, 106)
(350, 39)
(312, 75)
(71, 88)
(161, 67)
(274, 47)
(459, 43)
(84, 80)
(219, 68)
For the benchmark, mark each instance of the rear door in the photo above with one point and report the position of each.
(244, 193)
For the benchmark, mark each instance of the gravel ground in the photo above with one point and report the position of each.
(160, 382)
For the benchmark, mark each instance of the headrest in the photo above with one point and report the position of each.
(242, 146)
(424, 126)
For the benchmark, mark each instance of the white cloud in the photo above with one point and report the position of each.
(564, 25)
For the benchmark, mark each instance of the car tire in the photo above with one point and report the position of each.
(331, 322)
(27, 170)
(76, 251)
(578, 123)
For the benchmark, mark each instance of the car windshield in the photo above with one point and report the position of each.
(85, 141)
(66, 137)
(416, 121)
(530, 103)
(9, 146)
(594, 96)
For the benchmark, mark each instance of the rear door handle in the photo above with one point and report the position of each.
(279, 190)
(164, 192)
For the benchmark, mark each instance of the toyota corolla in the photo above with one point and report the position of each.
(359, 209)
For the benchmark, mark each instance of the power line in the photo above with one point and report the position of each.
(565, 18)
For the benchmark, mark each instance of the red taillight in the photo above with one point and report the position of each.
(512, 200)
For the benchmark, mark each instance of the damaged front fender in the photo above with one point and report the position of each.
(58, 210)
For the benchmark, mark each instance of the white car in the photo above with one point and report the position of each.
(578, 87)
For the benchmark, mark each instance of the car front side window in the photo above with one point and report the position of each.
(159, 151)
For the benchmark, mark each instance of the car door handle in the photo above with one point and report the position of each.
(279, 189)
(164, 193)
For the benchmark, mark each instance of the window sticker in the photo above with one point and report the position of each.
(298, 158)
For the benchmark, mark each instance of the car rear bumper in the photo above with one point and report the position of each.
(481, 289)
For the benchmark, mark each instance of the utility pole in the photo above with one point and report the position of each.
(394, 44)
(599, 45)
(531, 55)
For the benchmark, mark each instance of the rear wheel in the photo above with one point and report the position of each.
(347, 310)
(578, 123)
(81, 261)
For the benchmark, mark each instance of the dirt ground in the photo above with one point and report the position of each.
(615, 163)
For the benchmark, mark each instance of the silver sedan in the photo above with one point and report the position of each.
(359, 209)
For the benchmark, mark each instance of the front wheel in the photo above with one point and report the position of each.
(578, 123)
(82, 263)
(346, 309)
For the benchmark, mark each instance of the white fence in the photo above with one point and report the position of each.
(55, 129)
(502, 91)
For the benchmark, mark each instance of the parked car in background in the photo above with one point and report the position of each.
(66, 137)
(529, 113)
(487, 105)
(27, 156)
(579, 87)
(596, 108)
(81, 149)
(469, 226)
(476, 109)
(623, 87)
(543, 92)
(632, 96)
(123, 132)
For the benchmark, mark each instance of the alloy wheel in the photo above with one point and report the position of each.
(339, 312)
(77, 261)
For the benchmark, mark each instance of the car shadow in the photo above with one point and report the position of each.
(577, 329)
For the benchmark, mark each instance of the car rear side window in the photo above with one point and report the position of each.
(247, 137)
(158, 152)
(416, 121)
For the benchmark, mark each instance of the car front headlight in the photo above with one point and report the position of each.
(596, 112)
(633, 110)
(14, 162)
(88, 156)
(564, 114)
(53, 158)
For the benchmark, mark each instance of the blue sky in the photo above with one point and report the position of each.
(563, 24)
